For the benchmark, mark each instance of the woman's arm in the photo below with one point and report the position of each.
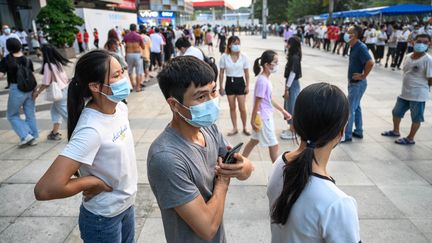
(57, 182)
(247, 78)
(255, 109)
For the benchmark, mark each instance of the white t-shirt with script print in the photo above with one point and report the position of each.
(105, 147)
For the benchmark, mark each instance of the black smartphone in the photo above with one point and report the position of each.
(229, 157)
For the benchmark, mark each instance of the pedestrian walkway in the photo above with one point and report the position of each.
(391, 183)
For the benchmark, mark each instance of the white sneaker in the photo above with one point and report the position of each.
(284, 133)
(287, 136)
(33, 142)
(28, 139)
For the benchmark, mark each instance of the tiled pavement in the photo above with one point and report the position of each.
(391, 183)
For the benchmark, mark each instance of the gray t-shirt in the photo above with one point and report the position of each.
(178, 171)
(415, 86)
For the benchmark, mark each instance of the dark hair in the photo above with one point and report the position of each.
(182, 42)
(266, 57)
(110, 43)
(112, 34)
(133, 27)
(157, 30)
(231, 40)
(295, 47)
(358, 31)
(13, 45)
(423, 36)
(321, 112)
(91, 67)
(180, 73)
(52, 56)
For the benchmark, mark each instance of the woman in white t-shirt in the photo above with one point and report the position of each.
(305, 204)
(235, 66)
(101, 147)
(53, 71)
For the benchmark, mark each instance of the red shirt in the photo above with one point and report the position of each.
(336, 32)
(86, 37)
(96, 35)
(79, 37)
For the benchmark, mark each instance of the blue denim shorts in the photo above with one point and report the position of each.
(117, 229)
(416, 108)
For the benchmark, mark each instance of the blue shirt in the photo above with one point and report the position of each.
(358, 58)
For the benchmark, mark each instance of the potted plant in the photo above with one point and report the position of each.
(59, 22)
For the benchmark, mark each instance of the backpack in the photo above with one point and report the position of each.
(24, 77)
(212, 62)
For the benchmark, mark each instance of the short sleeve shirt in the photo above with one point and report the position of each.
(322, 213)
(234, 69)
(104, 146)
(415, 85)
(9, 65)
(178, 172)
(358, 58)
(263, 90)
(156, 42)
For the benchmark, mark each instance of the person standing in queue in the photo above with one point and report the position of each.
(101, 148)
(235, 65)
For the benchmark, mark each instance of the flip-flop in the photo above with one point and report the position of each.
(404, 141)
(247, 133)
(390, 133)
(232, 133)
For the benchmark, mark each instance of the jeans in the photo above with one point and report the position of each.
(293, 92)
(16, 100)
(355, 93)
(59, 108)
(96, 228)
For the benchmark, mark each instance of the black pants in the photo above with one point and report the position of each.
(391, 52)
(327, 44)
(155, 57)
(372, 48)
(80, 46)
(410, 49)
(346, 49)
(379, 52)
(400, 52)
(336, 45)
(96, 43)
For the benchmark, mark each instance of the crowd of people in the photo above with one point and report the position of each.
(187, 163)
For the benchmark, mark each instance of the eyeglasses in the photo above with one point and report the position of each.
(424, 42)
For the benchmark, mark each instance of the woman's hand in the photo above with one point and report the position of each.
(222, 91)
(98, 187)
(286, 95)
(246, 91)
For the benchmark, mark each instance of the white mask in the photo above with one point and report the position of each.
(274, 69)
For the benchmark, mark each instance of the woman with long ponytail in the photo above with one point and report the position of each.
(101, 147)
(262, 114)
(305, 204)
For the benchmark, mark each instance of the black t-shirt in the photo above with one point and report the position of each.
(9, 65)
(294, 64)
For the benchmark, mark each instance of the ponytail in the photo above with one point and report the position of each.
(75, 105)
(257, 66)
(296, 176)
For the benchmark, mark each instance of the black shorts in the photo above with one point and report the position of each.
(210, 44)
(155, 57)
(235, 86)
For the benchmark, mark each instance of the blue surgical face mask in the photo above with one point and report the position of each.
(7, 31)
(120, 90)
(235, 48)
(346, 37)
(420, 47)
(204, 114)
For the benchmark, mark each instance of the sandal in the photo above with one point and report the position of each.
(390, 133)
(246, 132)
(405, 141)
(232, 133)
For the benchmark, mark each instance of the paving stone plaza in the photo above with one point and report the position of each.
(391, 183)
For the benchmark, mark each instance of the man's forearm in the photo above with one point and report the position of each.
(368, 68)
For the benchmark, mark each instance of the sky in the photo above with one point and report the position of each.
(240, 3)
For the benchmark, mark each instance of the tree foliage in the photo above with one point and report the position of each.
(277, 10)
(59, 22)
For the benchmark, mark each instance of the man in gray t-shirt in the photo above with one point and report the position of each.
(184, 160)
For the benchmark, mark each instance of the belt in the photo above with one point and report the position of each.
(232, 79)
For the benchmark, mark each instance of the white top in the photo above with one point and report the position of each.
(193, 51)
(104, 146)
(234, 69)
(322, 213)
(3, 39)
(402, 36)
(23, 37)
(178, 35)
(415, 74)
(370, 35)
(382, 37)
(156, 41)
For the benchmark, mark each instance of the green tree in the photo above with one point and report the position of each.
(59, 22)
(277, 10)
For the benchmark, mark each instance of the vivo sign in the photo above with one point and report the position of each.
(155, 14)
(149, 14)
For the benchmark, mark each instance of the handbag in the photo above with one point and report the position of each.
(53, 92)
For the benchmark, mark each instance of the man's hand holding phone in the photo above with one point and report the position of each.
(240, 169)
